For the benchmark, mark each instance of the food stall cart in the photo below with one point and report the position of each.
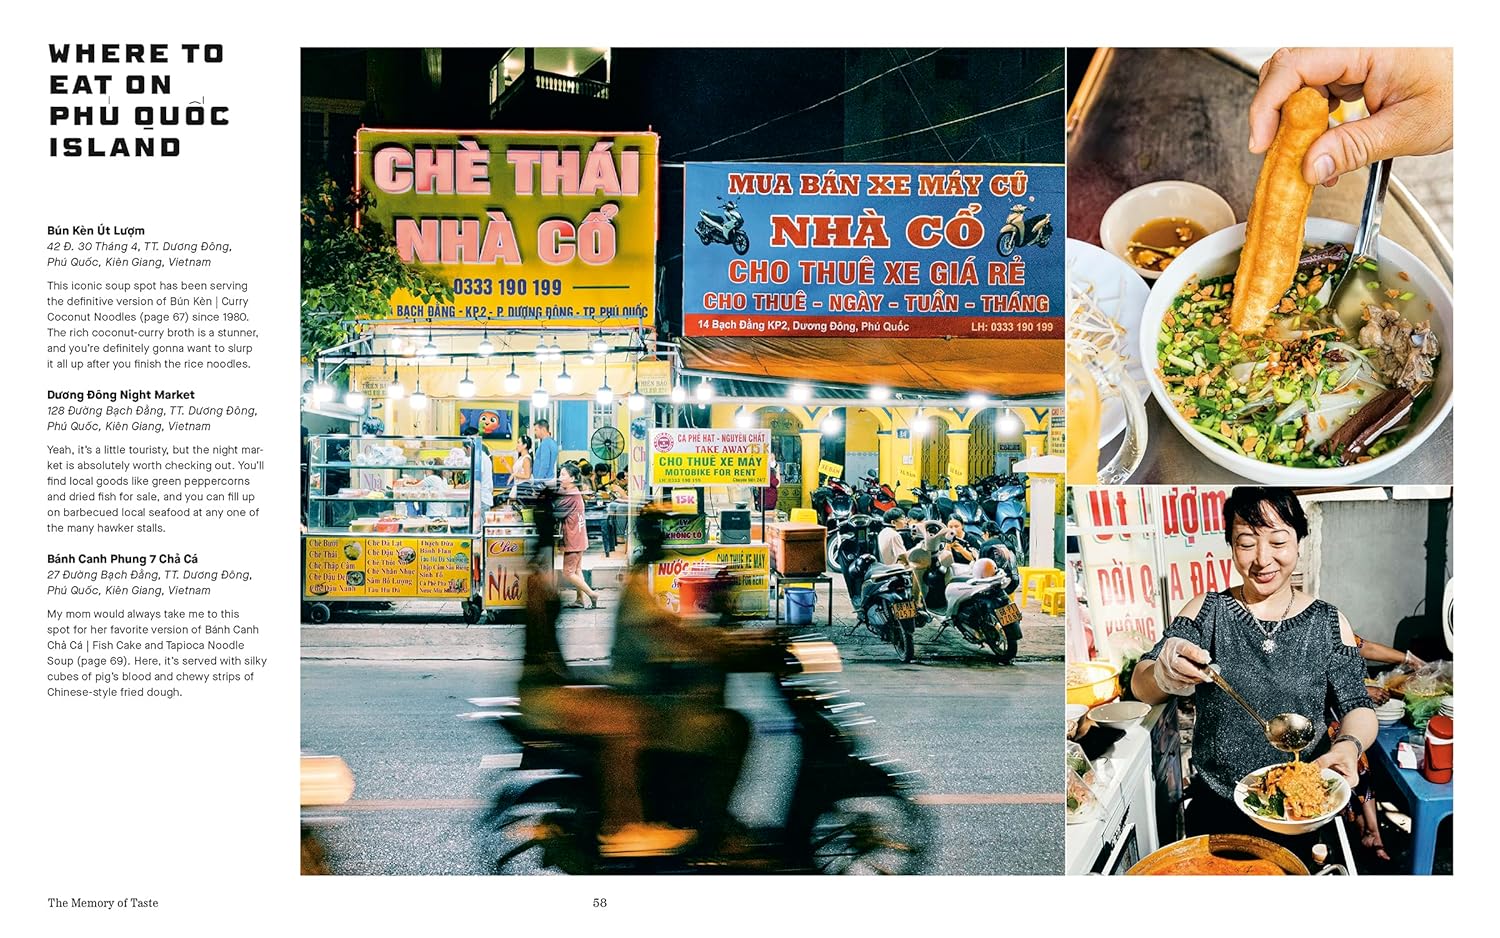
(509, 541)
(696, 461)
(391, 518)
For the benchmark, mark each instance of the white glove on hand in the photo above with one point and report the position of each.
(1178, 668)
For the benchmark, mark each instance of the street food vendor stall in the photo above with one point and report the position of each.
(391, 518)
(710, 540)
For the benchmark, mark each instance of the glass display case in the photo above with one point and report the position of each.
(392, 518)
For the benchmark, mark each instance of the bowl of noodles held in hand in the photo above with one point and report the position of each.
(1313, 398)
(1292, 797)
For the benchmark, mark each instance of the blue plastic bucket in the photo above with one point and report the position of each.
(800, 603)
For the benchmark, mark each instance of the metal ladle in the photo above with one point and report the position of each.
(1289, 732)
(1352, 294)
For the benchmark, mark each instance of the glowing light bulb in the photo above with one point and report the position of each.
(880, 394)
(679, 393)
(485, 348)
(466, 386)
(800, 394)
(323, 392)
(355, 400)
(605, 394)
(394, 391)
(418, 399)
(637, 402)
(704, 392)
(539, 396)
(831, 425)
(977, 400)
(742, 419)
(1009, 424)
(512, 380)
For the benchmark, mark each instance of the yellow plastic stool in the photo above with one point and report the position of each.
(1036, 579)
(1054, 600)
(804, 516)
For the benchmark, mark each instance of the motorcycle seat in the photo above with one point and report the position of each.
(716, 219)
(961, 590)
(883, 570)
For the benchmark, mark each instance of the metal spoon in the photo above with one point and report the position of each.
(1289, 732)
(1351, 295)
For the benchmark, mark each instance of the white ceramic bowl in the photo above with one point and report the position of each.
(1340, 799)
(1219, 254)
(1120, 713)
(1168, 198)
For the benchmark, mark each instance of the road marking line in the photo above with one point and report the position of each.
(1046, 797)
(462, 804)
(505, 760)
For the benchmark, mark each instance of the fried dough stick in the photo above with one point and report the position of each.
(1278, 214)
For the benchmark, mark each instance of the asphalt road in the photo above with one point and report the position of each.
(986, 739)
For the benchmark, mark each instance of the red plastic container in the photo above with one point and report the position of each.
(1438, 766)
(703, 588)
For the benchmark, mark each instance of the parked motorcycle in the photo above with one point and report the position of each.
(966, 507)
(834, 503)
(890, 609)
(855, 538)
(1010, 514)
(727, 228)
(879, 497)
(1021, 229)
(980, 608)
(848, 813)
(936, 502)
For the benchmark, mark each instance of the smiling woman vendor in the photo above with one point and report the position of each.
(1282, 651)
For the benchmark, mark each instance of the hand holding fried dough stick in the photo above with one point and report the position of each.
(1278, 214)
(1408, 92)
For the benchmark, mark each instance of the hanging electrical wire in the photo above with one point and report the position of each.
(816, 104)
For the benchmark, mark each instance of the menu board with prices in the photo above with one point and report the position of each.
(387, 567)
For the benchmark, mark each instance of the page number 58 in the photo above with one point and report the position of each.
(600, 902)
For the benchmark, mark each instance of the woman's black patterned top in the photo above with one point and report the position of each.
(1310, 671)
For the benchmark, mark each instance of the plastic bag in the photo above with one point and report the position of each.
(1082, 784)
(1425, 689)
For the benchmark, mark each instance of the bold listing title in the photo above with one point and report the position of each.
(151, 110)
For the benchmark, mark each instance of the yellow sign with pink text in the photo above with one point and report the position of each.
(528, 228)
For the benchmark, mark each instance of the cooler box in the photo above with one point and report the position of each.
(797, 549)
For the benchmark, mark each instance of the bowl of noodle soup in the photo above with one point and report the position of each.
(1305, 797)
(1216, 257)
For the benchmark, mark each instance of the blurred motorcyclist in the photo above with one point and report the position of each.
(554, 701)
(675, 671)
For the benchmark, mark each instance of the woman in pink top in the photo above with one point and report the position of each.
(575, 536)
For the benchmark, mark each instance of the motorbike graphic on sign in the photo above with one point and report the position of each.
(1022, 229)
(728, 228)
